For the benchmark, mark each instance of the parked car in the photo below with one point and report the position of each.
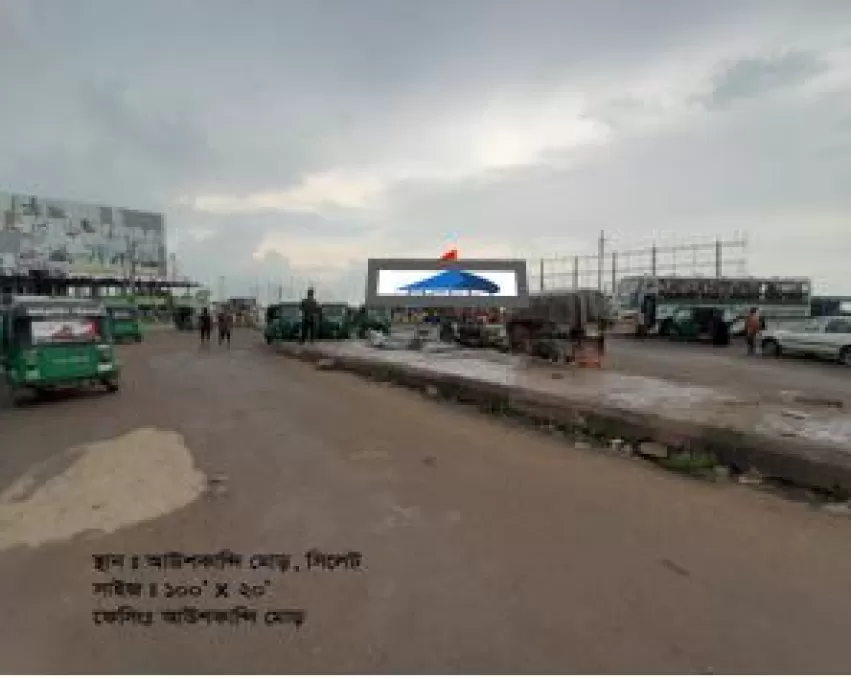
(826, 338)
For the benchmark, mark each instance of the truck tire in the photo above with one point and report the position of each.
(111, 385)
(666, 329)
(520, 340)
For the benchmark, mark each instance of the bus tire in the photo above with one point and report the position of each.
(845, 356)
(666, 329)
(111, 385)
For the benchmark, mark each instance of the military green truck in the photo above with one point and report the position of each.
(283, 322)
(51, 343)
(557, 322)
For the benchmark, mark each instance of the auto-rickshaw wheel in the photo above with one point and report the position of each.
(15, 396)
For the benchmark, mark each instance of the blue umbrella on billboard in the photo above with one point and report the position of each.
(453, 281)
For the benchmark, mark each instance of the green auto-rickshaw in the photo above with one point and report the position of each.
(185, 317)
(334, 322)
(124, 321)
(49, 343)
(283, 322)
(371, 319)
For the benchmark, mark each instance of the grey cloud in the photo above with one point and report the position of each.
(137, 104)
(748, 78)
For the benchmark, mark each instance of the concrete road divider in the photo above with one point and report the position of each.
(711, 430)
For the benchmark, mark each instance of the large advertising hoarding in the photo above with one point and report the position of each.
(427, 283)
(63, 238)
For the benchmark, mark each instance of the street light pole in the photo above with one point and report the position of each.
(131, 252)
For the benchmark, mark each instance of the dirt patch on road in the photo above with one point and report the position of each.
(107, 485)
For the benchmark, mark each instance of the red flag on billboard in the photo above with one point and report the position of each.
(451, 255)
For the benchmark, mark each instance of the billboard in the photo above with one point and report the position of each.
(430, 283)
(64, 238)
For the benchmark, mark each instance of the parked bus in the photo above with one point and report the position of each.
(648, 304)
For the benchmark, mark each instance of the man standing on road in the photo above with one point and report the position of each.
(205, 324)
(309, 317)
(225, 324)
(752, 329)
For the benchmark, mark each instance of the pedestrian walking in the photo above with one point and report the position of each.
(309, 317)
(205, 324)
(225, 322)
(753, 326)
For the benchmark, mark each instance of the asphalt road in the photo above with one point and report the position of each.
(729, 368)
(486, 547)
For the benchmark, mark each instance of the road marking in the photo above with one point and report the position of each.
(112, 484)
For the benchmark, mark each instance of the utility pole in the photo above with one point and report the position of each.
(131, 252)
(601, 254)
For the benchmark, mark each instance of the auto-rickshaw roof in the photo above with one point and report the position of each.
(27, 304)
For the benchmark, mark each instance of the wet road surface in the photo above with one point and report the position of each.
(729, 368)
(485, 547)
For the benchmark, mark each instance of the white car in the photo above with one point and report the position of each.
(827, 338)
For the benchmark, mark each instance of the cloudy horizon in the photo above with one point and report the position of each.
(288, 141)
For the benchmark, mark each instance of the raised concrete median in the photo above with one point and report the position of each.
(690, 426)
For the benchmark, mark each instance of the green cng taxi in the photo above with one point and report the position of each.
(48, 343)
(366, 319)
(124, 321)
(334, 322)
(283, 322)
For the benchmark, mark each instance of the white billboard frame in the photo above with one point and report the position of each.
(516, 267)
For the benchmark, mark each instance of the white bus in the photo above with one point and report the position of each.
(647, 304)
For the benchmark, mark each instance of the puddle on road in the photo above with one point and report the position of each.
(110, 484)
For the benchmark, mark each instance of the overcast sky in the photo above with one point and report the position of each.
(294, 139)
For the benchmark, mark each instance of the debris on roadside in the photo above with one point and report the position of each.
(842, 508)
(377, 339)
(217, 485)
(722, 472)
(751, 477)
(649, 448)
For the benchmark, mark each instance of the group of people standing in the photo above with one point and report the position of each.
(224, 322)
